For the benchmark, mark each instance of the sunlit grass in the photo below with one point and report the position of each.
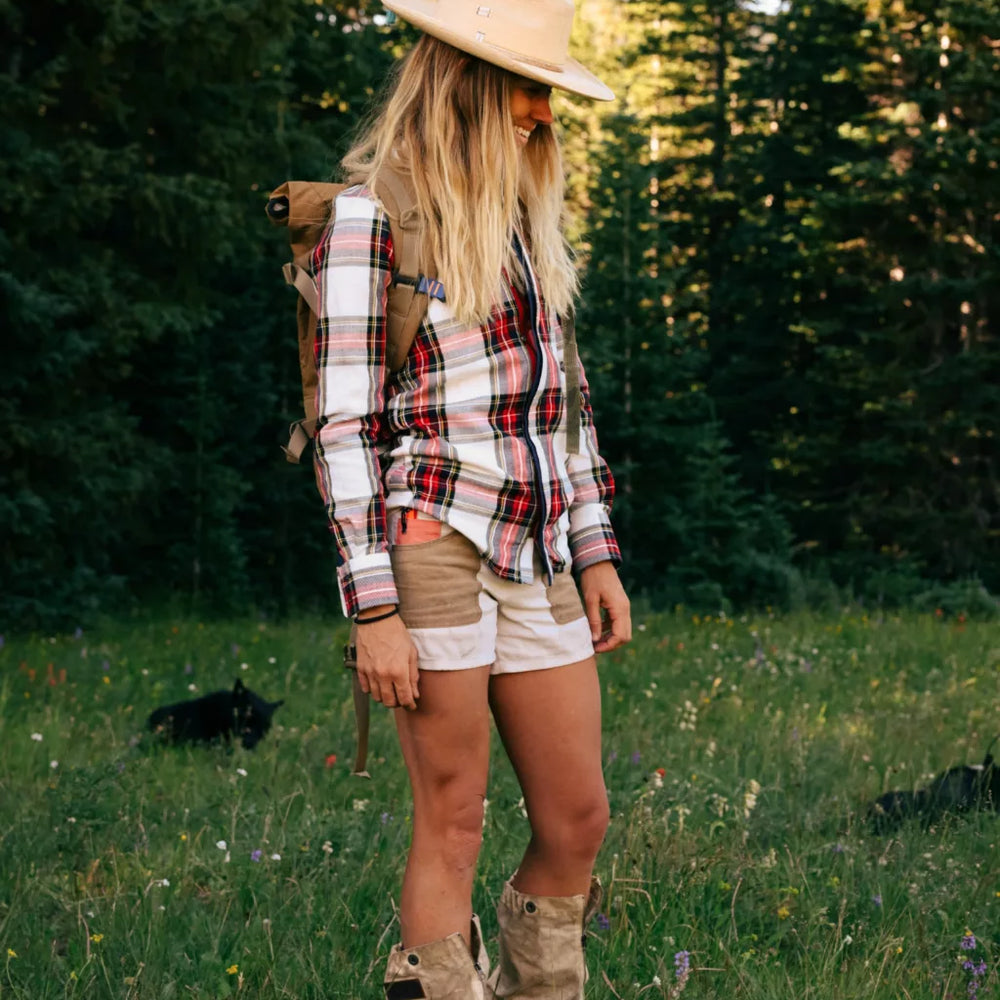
(739, 754)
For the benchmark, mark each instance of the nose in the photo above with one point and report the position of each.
(541, 111)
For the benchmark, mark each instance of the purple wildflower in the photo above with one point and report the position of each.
(256, 855)
(188, 669)
(613, 756)
(968, 941)
(386, 818)
(837, 849)
(636, 757)
(877, 899)
(105, 666)
(682, 969)
(603, 922)
(78, 634)
(2, 642)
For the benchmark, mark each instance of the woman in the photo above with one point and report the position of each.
(457, 509)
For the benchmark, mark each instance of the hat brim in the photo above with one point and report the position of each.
(572, 76)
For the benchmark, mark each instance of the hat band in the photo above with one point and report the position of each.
(523, 58)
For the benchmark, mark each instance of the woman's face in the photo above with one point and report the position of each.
(529, 106)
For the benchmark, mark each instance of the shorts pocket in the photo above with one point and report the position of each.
(564, 599)
(437, 582)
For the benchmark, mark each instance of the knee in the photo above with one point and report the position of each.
(577, 832)
(453, 830)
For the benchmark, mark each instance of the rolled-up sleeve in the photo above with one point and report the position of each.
(353, 267)
(591, 537)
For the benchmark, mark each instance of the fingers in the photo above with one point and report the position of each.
(619, 628)
(592, 604)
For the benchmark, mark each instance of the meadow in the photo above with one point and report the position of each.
(740, 757)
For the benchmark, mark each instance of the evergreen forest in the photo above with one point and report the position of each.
(788, 227)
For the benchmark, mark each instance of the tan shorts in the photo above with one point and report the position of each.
(460, 614)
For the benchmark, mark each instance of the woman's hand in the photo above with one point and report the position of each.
(607, 607)
(387, 660)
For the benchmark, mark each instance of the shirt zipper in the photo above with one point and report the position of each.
(536, 377)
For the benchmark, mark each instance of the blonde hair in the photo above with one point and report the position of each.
(447, 121)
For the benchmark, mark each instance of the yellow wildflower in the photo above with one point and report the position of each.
(233, 969)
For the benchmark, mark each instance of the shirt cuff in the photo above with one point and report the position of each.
(591, 537)
(366, 582)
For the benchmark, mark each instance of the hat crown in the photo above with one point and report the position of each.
(536, 31)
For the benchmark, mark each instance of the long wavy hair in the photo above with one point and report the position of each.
(446, 120)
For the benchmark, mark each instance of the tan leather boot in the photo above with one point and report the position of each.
(441, 970)
(542, 941)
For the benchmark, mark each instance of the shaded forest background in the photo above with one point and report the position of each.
(787, 224)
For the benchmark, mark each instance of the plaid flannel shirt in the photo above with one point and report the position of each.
(470, 430)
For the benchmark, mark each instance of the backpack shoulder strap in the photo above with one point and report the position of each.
(571, 362)
(304, 207)
(414, 278)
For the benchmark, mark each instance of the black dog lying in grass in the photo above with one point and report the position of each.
(219, 715)
(957, 790)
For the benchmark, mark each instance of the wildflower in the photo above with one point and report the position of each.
(192, 687)
(37, 737)
(877, 899)
(682, 970)
(11, 953)
(97, 938)
(256, 855)
(232, 970)
(783, 912)
(359, 805)
(241, 771)
(385, 817)
(272, 659)
(183, 837)
(658, 778)
(106, 679)
(331, 759)
(53, 764)
(968, 941)
(750, 798)
(164, 883)
(603, 922)
(327, 847)
(636, 756)
(244, 666)
(837, 849)
(275, 857)
(613, 756)
(221, 845)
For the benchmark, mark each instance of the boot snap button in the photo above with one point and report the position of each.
(413, 959)
(530, 907)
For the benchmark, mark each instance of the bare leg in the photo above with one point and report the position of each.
(550, 724)
(445, 744)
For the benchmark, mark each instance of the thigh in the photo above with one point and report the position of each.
(446, 741)
(550, 724)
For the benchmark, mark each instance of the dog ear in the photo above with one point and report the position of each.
(238, 688)
(277, 704)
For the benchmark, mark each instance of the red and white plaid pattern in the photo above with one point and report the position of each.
(470, 431)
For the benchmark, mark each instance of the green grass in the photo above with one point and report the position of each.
(112, 883)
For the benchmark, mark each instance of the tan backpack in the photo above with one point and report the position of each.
(306, 207)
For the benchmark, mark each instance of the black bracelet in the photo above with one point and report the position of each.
(377, 618)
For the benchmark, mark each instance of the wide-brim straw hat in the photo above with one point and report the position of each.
(527, 37)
